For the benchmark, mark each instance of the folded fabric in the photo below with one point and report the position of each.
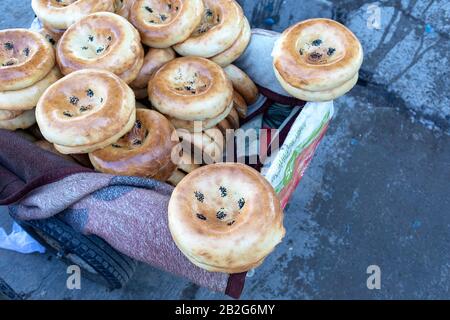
(129, 213)
(25, 167)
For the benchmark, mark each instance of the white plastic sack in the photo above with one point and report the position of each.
(19, 241)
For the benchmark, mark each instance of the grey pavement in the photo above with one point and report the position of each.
(376, 193)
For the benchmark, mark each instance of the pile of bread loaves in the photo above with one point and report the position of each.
(27, 63)
(141, 44)
(79, 78)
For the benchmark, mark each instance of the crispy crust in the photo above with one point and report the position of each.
(325, 95)
(101, 40)
(237, 49)
(220, 36)
(180, 20)
(203, 125)
(214, 150)
(208, 144)
(100, 145)
(131, 74)
(186, 163)
(223, 126)
(85, 108)
(52, 35)
(141, 106)
(333, 60)
(8, 114)
(154, 59)
(233, 119)
(213, 241)
(59, 16)
(210, 92)
(25, 58)
(242, 83)
(27, 98)
(22, 121)
(145, 159)
(240, 105)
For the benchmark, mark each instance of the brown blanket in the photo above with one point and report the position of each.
(129, 213)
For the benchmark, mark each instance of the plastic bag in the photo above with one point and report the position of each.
(19, 241)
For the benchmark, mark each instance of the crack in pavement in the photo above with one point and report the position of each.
(26, 295)
(397, 102)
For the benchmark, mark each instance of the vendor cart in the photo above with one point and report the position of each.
(300, 132)
(299, 127)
